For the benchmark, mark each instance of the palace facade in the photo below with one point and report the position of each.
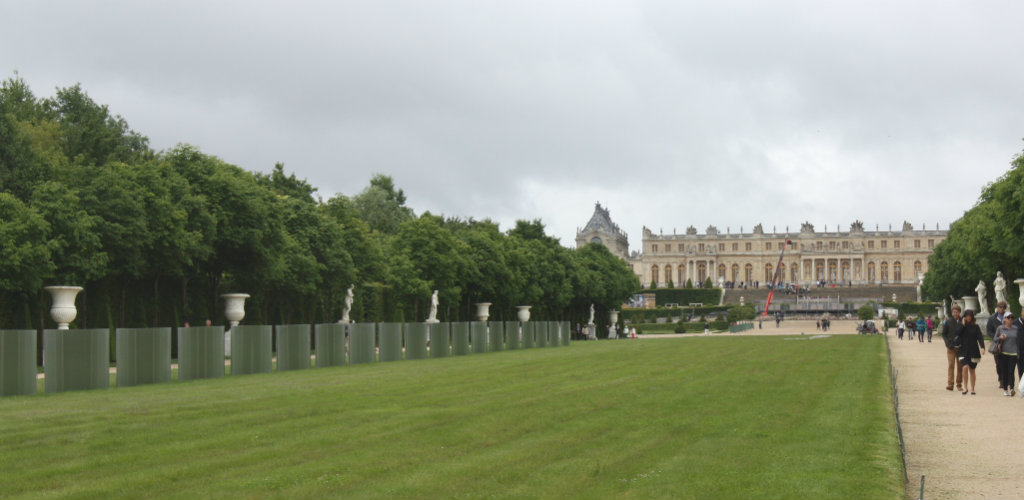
(856, 256)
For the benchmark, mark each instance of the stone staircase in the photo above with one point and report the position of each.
(859, 293)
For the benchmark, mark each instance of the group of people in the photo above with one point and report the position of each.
(922, 326)
(965, 344)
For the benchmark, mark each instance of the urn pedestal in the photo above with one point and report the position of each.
(483, 311)
(970, 302)
(523, 313)
(63, 310)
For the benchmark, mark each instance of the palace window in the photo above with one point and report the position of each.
(748, 272)
(721, 271)
(700, 247)
(781, 245)
(897, 271)
(679, 270)
(721, 247)
(768, 245)
(748, 247)
(654, 248)
(871, 244)
(735, 271)
(885, 272)
(680, 248)
(735, 247)
(831, 245)
(654, 275)
(871, 272)
(931, 243)
(917, 268)
(846, 245)
(668, 272)
(917, 243)
(896, 243)
(885, 243)
(768, 273)
(818, 245)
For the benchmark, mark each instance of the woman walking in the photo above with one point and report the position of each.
(1006, 358)
(900, 327)
(920, 329)
(972, 343)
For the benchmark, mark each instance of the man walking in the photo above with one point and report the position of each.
(950, 331)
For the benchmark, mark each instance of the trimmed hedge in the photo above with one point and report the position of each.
(914, 308)
(651, 315)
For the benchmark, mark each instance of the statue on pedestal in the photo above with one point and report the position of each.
(432, 318)
(982, 292)
(349, 297)
(1000, 286)
(591, 320)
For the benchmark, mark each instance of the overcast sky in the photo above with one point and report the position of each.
(671, 114)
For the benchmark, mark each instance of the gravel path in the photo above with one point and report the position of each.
(947, 434)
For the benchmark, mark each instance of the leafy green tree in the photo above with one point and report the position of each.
(90, 134)
(25, 259)
(983, 241)
(382, 206)
(866, 312)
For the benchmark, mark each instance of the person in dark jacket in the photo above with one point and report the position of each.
(971, 346)
(950, 331)
(990, 329)
(1007, 335)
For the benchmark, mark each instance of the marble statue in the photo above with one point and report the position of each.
(1000, 286)
(982, 291)
(591, 320)
(920, 281)
(349, 296)
(432, 318)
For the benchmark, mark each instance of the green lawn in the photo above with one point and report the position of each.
(706, 417)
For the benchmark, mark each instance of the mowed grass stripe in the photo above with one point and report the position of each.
(718, 417)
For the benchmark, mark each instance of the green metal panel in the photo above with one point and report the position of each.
(528, 334)
(565, 332)
(415, 341)
(460, 338)
(17, 362)
(76, 359)
(390, 341)
(540, 333)
(512, 335)
(440, 340)
(330, 344)
(200, 352)
(143, 356)
(362, 343)
(478, 334)
(252, 349)
(496, 336)
(293, 347)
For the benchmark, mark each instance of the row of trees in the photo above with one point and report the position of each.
(156, 237)
(988, 238)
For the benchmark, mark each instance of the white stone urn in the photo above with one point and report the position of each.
(613, 317)
(483, 311)
(1020, 287)
(940, 313)
(63, 310)
(971, 302)
(523, 313)
(234, 307)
